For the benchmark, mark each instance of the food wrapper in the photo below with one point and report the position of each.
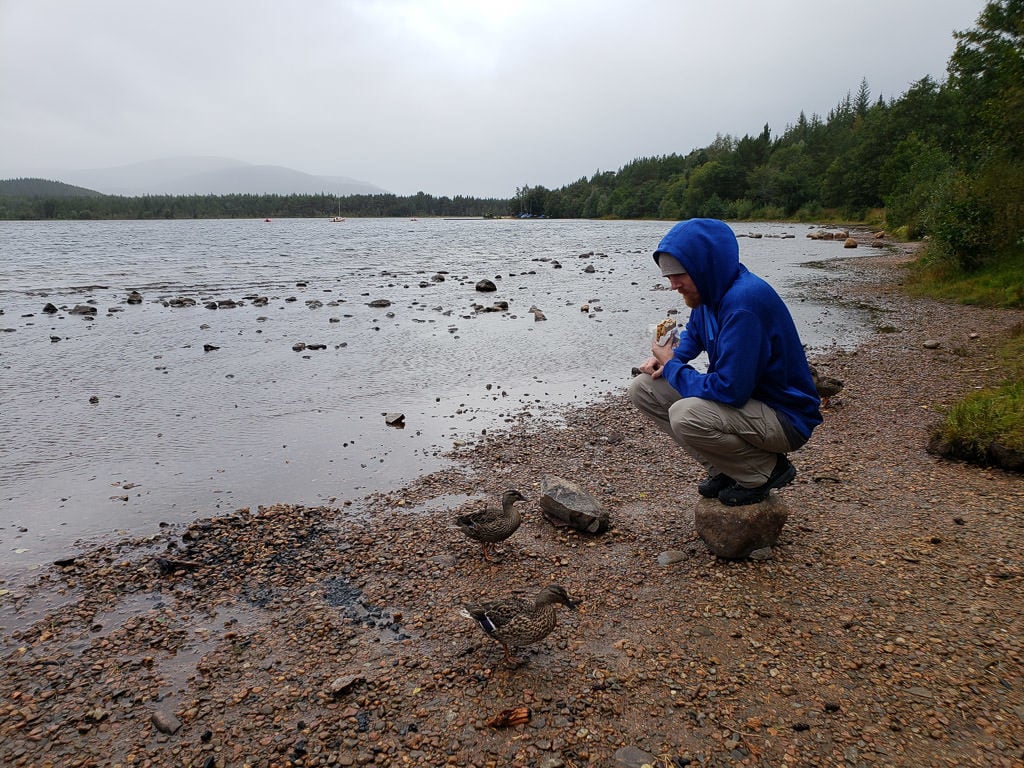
(666, 333)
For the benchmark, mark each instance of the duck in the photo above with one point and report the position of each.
(826, 386)
(492, 524)
(518, 621)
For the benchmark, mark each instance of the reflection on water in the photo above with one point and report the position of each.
(153, 412)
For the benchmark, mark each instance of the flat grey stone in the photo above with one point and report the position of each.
(670, 556)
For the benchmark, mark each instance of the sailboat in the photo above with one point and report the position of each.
(339, 217)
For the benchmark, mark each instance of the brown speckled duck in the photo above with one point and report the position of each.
(518, 621)
(826, 386)
(492, 524)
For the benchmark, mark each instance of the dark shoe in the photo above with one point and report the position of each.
(737, 496)
(714, 485)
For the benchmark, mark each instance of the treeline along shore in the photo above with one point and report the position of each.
(884, 629)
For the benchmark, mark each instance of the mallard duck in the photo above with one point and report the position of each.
(519, 621)
(826, 386)
(492, 524)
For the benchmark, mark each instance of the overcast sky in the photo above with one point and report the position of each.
(473, 97)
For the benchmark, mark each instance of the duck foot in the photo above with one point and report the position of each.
(492, 555)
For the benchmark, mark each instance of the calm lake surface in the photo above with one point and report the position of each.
(199, 411)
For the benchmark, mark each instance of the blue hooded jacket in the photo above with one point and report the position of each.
(753, 347)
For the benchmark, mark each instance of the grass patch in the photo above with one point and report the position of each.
(987, 427)
(998, 285)
(988, 416)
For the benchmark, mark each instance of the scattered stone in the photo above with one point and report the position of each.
(633, 757)
(564, 503)
(342, 685)
(931, 344)
(210, 347)
(486, 286)
(850, 243)
(134, 297)
(379, 303)
(82, 309)
(735, 532)
(165, 722)
(671, 556)
(393, 419)
(49, 309)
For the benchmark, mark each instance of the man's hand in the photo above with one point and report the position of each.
(662, 354)
(652, 367)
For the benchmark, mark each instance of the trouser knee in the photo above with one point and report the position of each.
(690, 416)
(636, 391)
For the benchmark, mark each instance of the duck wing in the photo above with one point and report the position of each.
(527, 627)
(494, 617)
(490, 524)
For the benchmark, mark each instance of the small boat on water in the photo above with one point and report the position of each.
(338, 218)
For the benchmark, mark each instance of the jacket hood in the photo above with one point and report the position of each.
(710, 253)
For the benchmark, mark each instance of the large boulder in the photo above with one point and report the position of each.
(735, 532)
(565, 504)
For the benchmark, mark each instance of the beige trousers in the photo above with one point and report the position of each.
(741, 442)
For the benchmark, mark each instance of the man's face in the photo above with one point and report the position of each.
(683, 285)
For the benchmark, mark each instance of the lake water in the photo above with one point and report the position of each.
(151, 412)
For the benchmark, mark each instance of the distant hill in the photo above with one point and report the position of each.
(43, 188)
(212, 176)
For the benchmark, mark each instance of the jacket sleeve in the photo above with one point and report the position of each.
(735, 356)
(690, 344)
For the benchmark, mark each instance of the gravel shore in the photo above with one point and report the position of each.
(886, 629)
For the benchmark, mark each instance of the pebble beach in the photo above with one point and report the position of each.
(885, 629)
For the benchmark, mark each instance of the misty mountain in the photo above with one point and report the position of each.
(210, 176)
